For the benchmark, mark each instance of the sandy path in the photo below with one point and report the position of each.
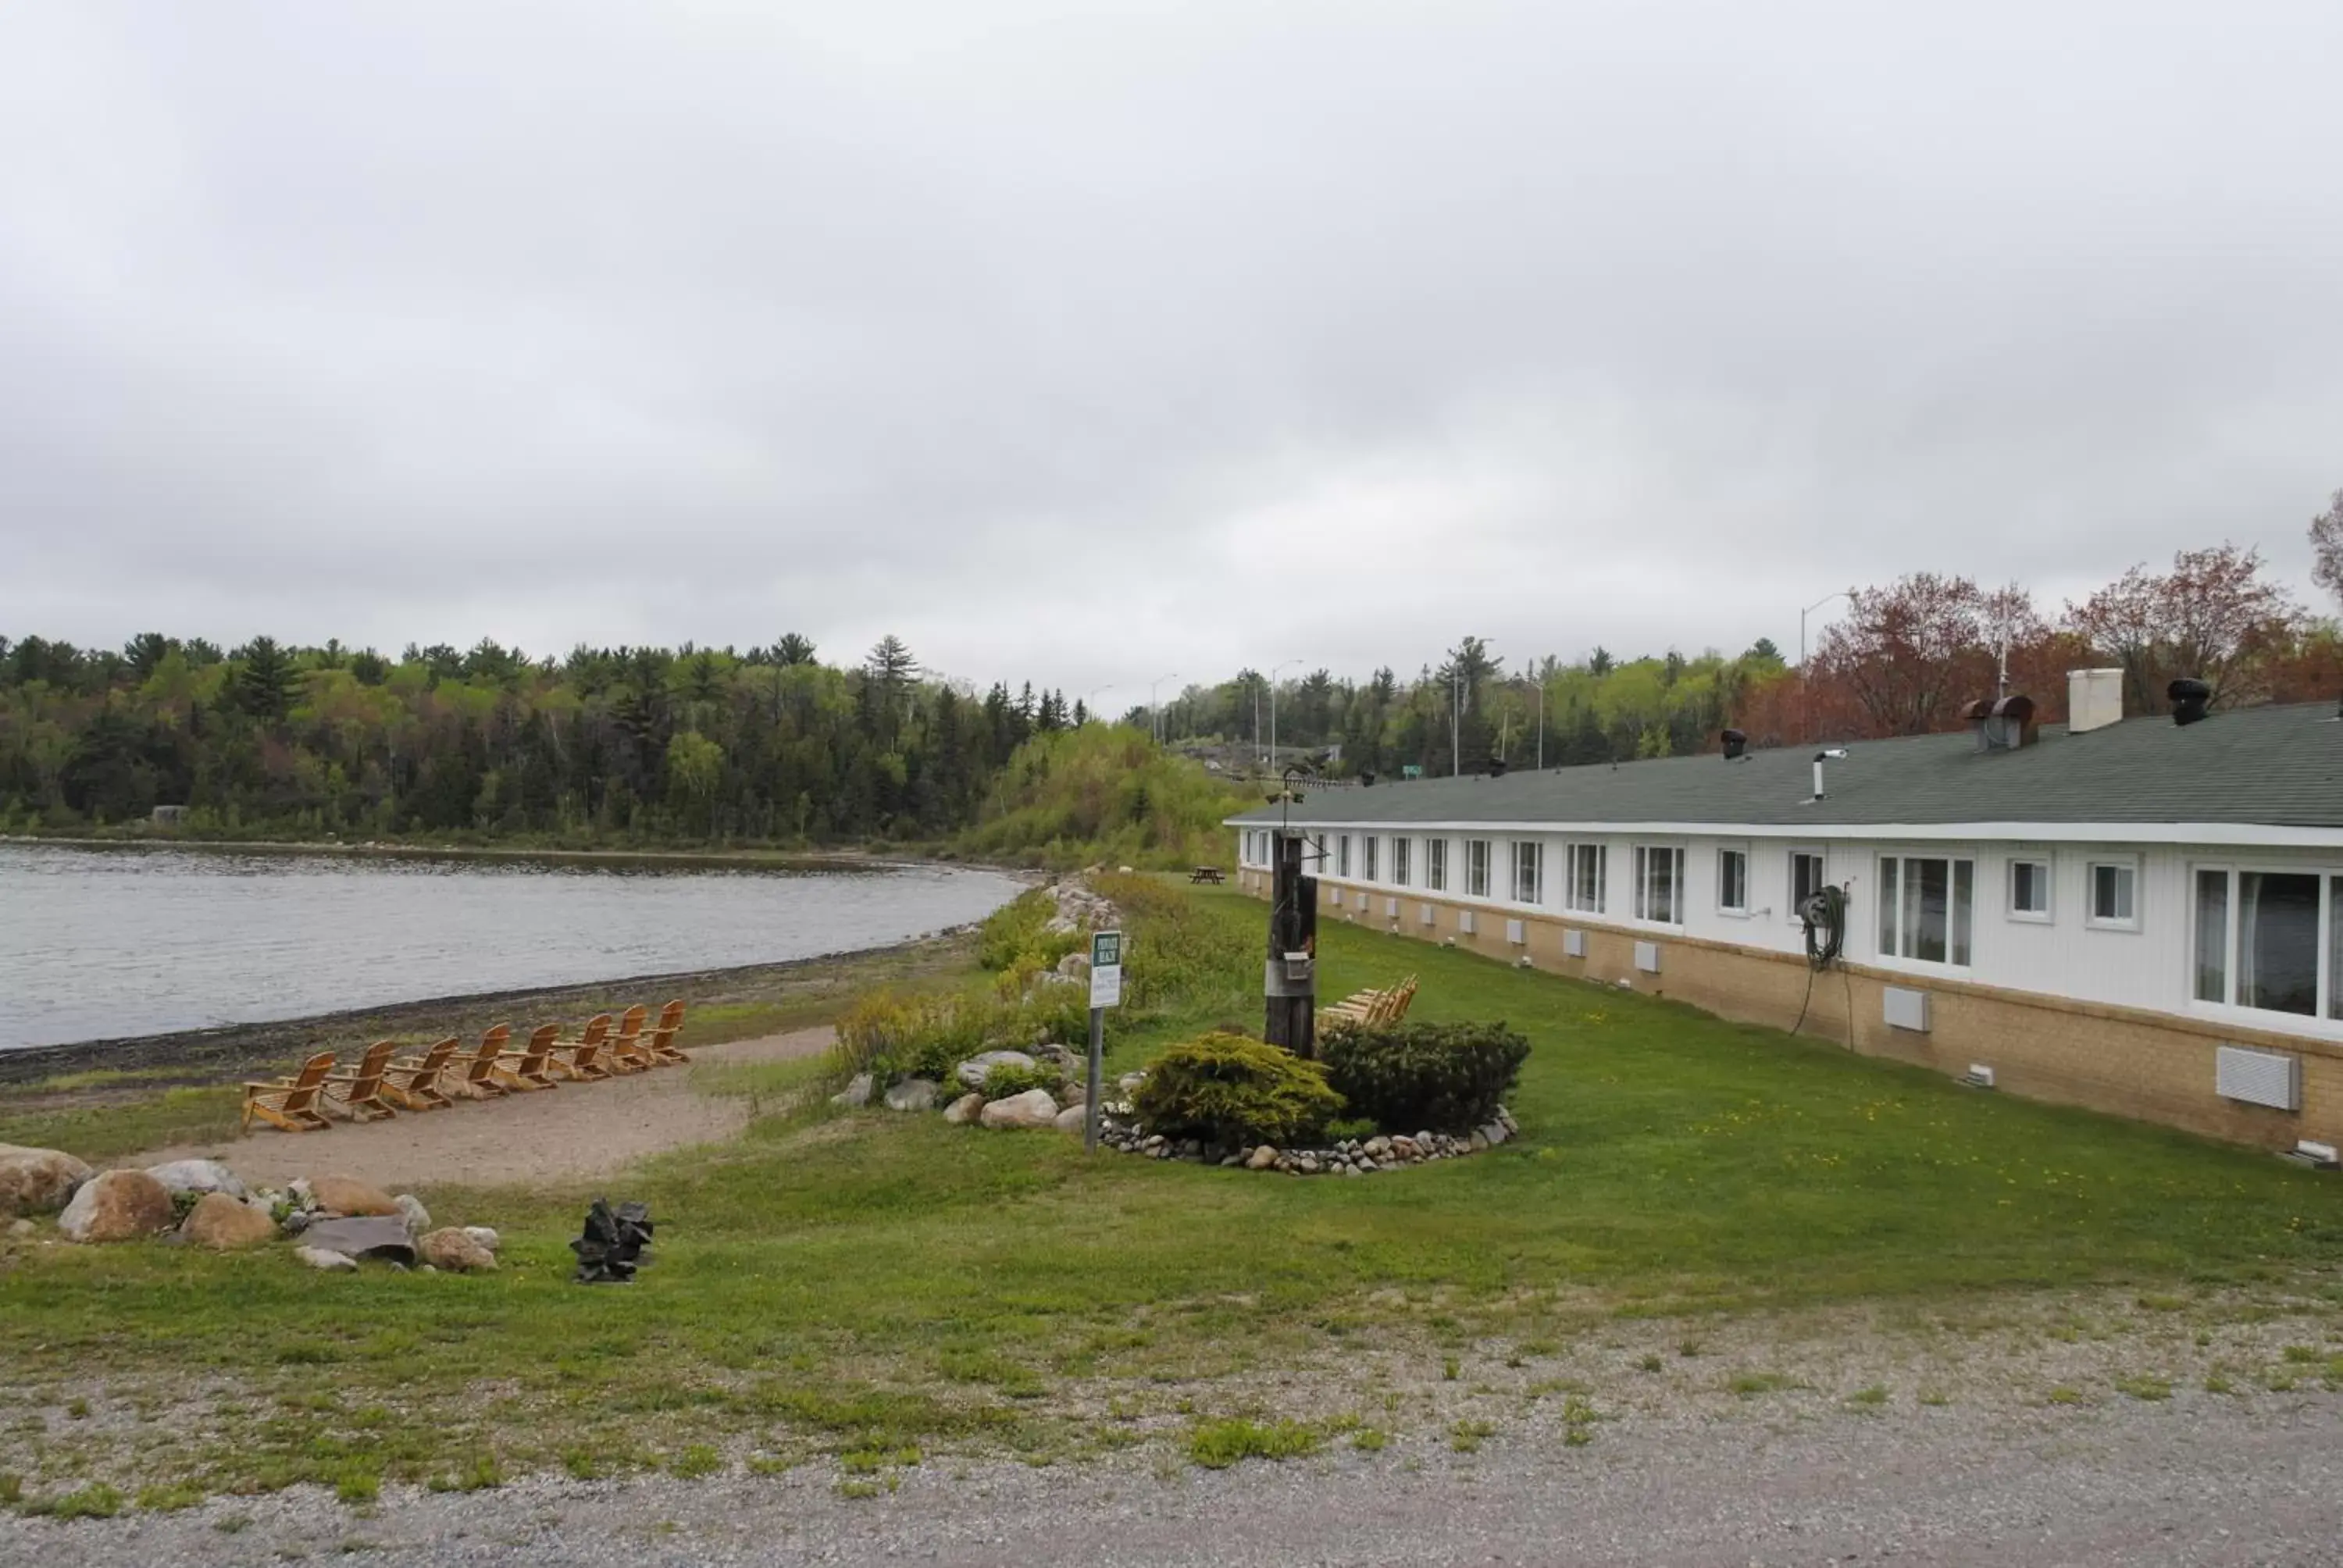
(581, 1130)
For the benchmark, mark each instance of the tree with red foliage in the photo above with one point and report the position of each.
(2213, 616)
(1913, 654)
(2327, 548)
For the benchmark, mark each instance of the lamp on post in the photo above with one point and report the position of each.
(1806, 686)
(1088, 706)
(1289, 664)
(1155, 714)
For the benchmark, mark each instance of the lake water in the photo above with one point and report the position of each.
(103, 944)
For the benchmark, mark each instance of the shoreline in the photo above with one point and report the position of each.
(206, 1054)
(858, 859)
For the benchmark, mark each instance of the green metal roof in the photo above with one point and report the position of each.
(2275, 767)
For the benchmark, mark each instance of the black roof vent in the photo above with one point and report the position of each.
(1496, 768)
(2190, 698)
(2002, 724)
(1736, 745)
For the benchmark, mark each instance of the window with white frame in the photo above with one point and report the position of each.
(1476, 867)
(2270, 940)
(1732, 881)
(2029, 891)
(1435, 864)
(1529, 871)
(1368, 870)
(1400, 858)
(1586, 865)
(1318, 860)
(1341, 854)
(1924, 907)
(1806, 878)
(1659, 884)
(2113, 895)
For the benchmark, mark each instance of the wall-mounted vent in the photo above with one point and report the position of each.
(1516, 933)
(1573, 944)
(1647, 957)
(2318, 1156)
(1979, 1076)
(2271, 1078)
(1905, 1009)
(1466, 923)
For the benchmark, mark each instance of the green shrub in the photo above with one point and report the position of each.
(1434, 1077)
(1015, 936)
(893, 1037)
(1344, 1129)
(1229, 1089)
(1007, 1078)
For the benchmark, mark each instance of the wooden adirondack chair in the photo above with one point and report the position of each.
(627, 1053)
(525, 1068)
(662, 1045)
(475, 1075)
(412, 1083)
(290, 1103)
(585, 1054)
(358, 1090)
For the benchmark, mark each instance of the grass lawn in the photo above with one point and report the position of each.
(866, 1284)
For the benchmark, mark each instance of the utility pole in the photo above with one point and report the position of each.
(1806, 686)
(1289, 664)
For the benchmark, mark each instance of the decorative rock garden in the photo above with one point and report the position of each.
(333, 1220)
(1351, 1157)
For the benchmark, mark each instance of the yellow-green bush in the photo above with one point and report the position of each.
(1230, 1089)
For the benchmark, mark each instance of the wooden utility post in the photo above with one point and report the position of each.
(1290, 978)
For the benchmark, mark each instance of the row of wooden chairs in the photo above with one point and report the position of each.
(382, 1084)
(1373, 1009)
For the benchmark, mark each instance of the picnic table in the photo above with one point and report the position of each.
(1211, 874)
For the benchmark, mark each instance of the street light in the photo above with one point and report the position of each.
(1805, 687)
(1289, 664)
(1154, 714)
(1091, 707)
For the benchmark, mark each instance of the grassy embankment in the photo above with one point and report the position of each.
(873, 1286)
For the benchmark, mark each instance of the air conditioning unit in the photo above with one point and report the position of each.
(1574, 943)
(1431, 914)
(1466, 923)
(1390, 908)
(1516, 933)
(1905, 1009)
(2271, 1078)
(1647, 957)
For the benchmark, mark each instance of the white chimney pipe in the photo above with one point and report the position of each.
(1830, 751)
(2094, 699)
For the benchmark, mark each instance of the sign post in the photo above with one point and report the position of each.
(1106, 991)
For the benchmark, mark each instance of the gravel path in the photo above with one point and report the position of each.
(2199, 1478)
(578, 1131)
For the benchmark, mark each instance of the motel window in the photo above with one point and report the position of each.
(1318, 859)
(2029, 891)
(1659, 884)
(1369, 869)
(1435, 864)
(1924, 907)
(1806, 877)
(1476, 867)
(1529, 872)
(1341, 854)
(1398, 861)
(1586, 865)
(2114, 894)
(2259, 941)
(1732, 881)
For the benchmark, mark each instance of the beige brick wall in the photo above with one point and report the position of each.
(2126, 1061)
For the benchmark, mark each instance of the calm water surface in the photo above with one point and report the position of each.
(101, 943)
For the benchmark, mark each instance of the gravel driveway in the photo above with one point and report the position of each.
(2200, 1479)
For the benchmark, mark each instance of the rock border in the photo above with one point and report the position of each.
(1351, 1157)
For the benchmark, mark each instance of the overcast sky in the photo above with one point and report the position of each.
(1089, 343)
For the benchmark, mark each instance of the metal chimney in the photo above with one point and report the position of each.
(2094, 699)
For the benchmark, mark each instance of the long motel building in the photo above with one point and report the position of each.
(2140, 915)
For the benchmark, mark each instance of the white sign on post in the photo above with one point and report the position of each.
(1106, 969)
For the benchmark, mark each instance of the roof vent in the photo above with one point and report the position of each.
(1828, 753)
(1496, 768)
(2002, 724)
(2190, 698)
(1736, 745)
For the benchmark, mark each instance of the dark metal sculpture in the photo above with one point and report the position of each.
(614, 1243)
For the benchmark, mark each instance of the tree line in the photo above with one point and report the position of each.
(607, 746)
(1901, 658)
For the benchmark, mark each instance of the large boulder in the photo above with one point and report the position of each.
(1075, 966)
(197, 1176)
(37, 1181)
(455, 1252)
(1072, 1119)
(485, 1237)
(1034, 1108)
(964, 1109)
(856, 1094)
(379, 1236)
(912, 1094)
(226, 1224)
(411, 1210)
(347, 1196)
(118, 1206)
(972, 1072)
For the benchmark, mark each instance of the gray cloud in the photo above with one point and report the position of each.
(1057, 342)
